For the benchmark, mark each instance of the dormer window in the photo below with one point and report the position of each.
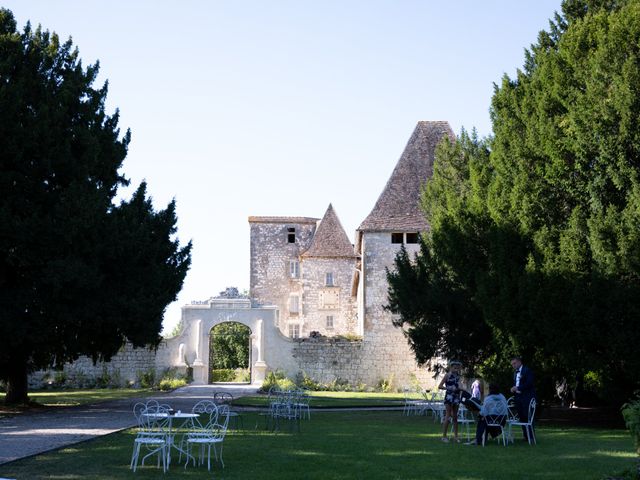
(291, 235)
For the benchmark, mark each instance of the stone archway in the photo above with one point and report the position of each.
(230, 353)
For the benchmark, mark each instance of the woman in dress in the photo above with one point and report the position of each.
(451, 383)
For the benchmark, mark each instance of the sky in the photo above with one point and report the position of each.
(278, 108)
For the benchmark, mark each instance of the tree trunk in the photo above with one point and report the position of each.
(17, 386)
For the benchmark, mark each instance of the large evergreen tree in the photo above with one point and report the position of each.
(79, 274)
(543, 233)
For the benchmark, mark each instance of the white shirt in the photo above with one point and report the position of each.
(518, 377)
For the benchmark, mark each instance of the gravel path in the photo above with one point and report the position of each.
(34, 433)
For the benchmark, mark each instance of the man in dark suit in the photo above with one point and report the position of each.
(523, 390)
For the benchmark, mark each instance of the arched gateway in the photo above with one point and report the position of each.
(200, 318)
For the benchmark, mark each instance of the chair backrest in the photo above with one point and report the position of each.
(223, 397)
(154, 421)
(219, 429)
(532, 410)
(138, 408)
(208, 414)
(512, 410)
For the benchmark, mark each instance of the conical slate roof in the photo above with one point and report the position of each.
(397, 208)
(330, 239)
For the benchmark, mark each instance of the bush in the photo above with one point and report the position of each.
(242, 375)
(385, 385)
(631, 415)
(305, 381)
(60, 378)
(147, 379)
(277, 379)
(171, 383)
(223, 375)
(338, 385)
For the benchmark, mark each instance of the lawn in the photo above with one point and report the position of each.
(338, 399)
(69, 398)
(354, 445)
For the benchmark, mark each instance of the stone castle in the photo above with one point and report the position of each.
(316, 301)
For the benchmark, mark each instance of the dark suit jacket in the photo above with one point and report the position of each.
(526, 387)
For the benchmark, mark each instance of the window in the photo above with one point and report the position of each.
(294, 330)
(397, 237)
(329, 321)
(294, 269)
(328, 279)
(412, 238)
(294, 304)
(291, 235)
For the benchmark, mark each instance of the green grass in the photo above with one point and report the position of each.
(80, 397)
(354, 445)
(337, 399)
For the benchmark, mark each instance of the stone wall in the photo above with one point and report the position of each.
(314, 315)
(385, 345)
(358, 363)
(270, 278)
(124, 369)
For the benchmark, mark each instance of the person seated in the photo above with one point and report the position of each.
(494, 411)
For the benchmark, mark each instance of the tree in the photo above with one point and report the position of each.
(543, 231)
(79, 274)
(230, 346)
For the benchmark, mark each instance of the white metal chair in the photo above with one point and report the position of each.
(527, 424)
(465, 418)
(201, 425)
(495, 421)
(227, 399)
(302, 404)
(211, 438)
(153, 433)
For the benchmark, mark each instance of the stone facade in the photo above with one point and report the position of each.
(125, 368)
(321, 300)
(308, 281)
(275, 248)
(305, 277)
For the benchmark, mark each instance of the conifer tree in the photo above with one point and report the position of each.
(79, 274)
(541, 229)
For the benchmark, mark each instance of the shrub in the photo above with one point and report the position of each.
(277, 379)
(242, 375)
(171, 383)
(350, 337)
(223, 375)
(631, 415)
(305, 381)
(60, 378)
(147, 379)
(338, 385)
(103, 380)
(385, 385)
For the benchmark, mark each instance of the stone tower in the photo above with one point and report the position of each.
(328, 268)
(396, 219)
(276, 245)
(305, 269)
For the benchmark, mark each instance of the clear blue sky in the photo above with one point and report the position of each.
(242, 108)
